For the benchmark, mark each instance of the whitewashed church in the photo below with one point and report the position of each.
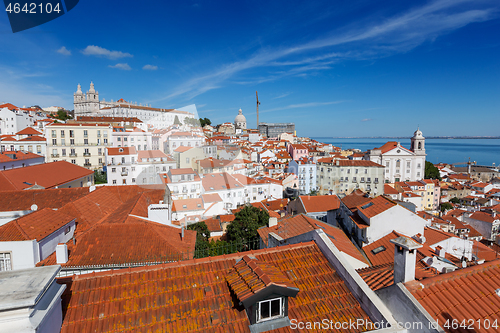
(401, 164)
(88, 104)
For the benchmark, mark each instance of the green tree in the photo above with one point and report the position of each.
(205, 121)
(245, 224)
(62, 115)
(202, 246)
(100, 177)
(446, 206)
(431, 172)
(201, 229)
(455, 200)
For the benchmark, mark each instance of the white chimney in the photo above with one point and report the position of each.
(61, 253)
(273, 221)
(405, 256)
(440, 251)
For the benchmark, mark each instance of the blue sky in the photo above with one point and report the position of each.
(334, 68)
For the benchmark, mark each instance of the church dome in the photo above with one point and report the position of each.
(418, 134)
(240, 118)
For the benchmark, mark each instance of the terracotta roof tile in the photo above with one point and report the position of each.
(36, 225)
(193, 296)
(320, 203)
(48, 175)
(50, 198)
(376, 206)
(300, 224)
(465, 295)
(28, 131)
(355, 199)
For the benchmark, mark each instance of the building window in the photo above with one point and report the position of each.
(38, 149)
(54, 142)
(85, 133)
(63, 152)
(54, 134)
(5, 261)
(113, 169)
(62, 133)
(133, 180)
(73, 161)
(105, 141)
(114, 181)
(85, 141)
(271, 309)
(71, 134)
(72, 142)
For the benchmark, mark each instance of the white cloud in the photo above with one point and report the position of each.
(124, 67)
(64, 51)
(366, 119)
(398, 34)
(102, 52)
(150, 67)
(302, 106)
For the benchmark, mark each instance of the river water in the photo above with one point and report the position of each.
(483, 151)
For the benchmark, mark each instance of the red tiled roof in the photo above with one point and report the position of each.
(32, 138)
(320, 203)
(213, 197)
(388, 189)
(213, 224)
(355, 199)
(466, 295)
(36, 225)
(121, 151)
(7, 156)
(28, 131)
(376, 206)
(152, 154)
(182, 149)
(134, 241)
(300, 224)
(182, 205)
(51, 198)
(220, 181)
(249, 276)
(193, 296)
(108, 119)
(390, 146)
(48, 175)
(483, 216)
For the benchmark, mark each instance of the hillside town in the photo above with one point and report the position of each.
(122, 217)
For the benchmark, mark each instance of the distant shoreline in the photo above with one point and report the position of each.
(406, 137)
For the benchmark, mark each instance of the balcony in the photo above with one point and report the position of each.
(54, 155)
(184, 190)
(86, 154)
(87, 165)
(376, 181)
(73, 155)
(124, 173)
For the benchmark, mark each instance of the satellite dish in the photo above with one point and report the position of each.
(34, 207)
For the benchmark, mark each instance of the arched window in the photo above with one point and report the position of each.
(398, 163)
(420, 145)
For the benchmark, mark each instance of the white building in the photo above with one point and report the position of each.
(305, 169)
(141, 140)
(12, 122)
(81, 144)
(30, 300)
(240, 122)
(127, 166)
(186, 139)
(183, 183)
(345, 176)
(401, 164)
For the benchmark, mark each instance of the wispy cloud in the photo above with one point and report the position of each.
(282, 95)
(64, 51)
(94, 50)
(397, 34)
(150, 68)
(124, 67)
(366, 119)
